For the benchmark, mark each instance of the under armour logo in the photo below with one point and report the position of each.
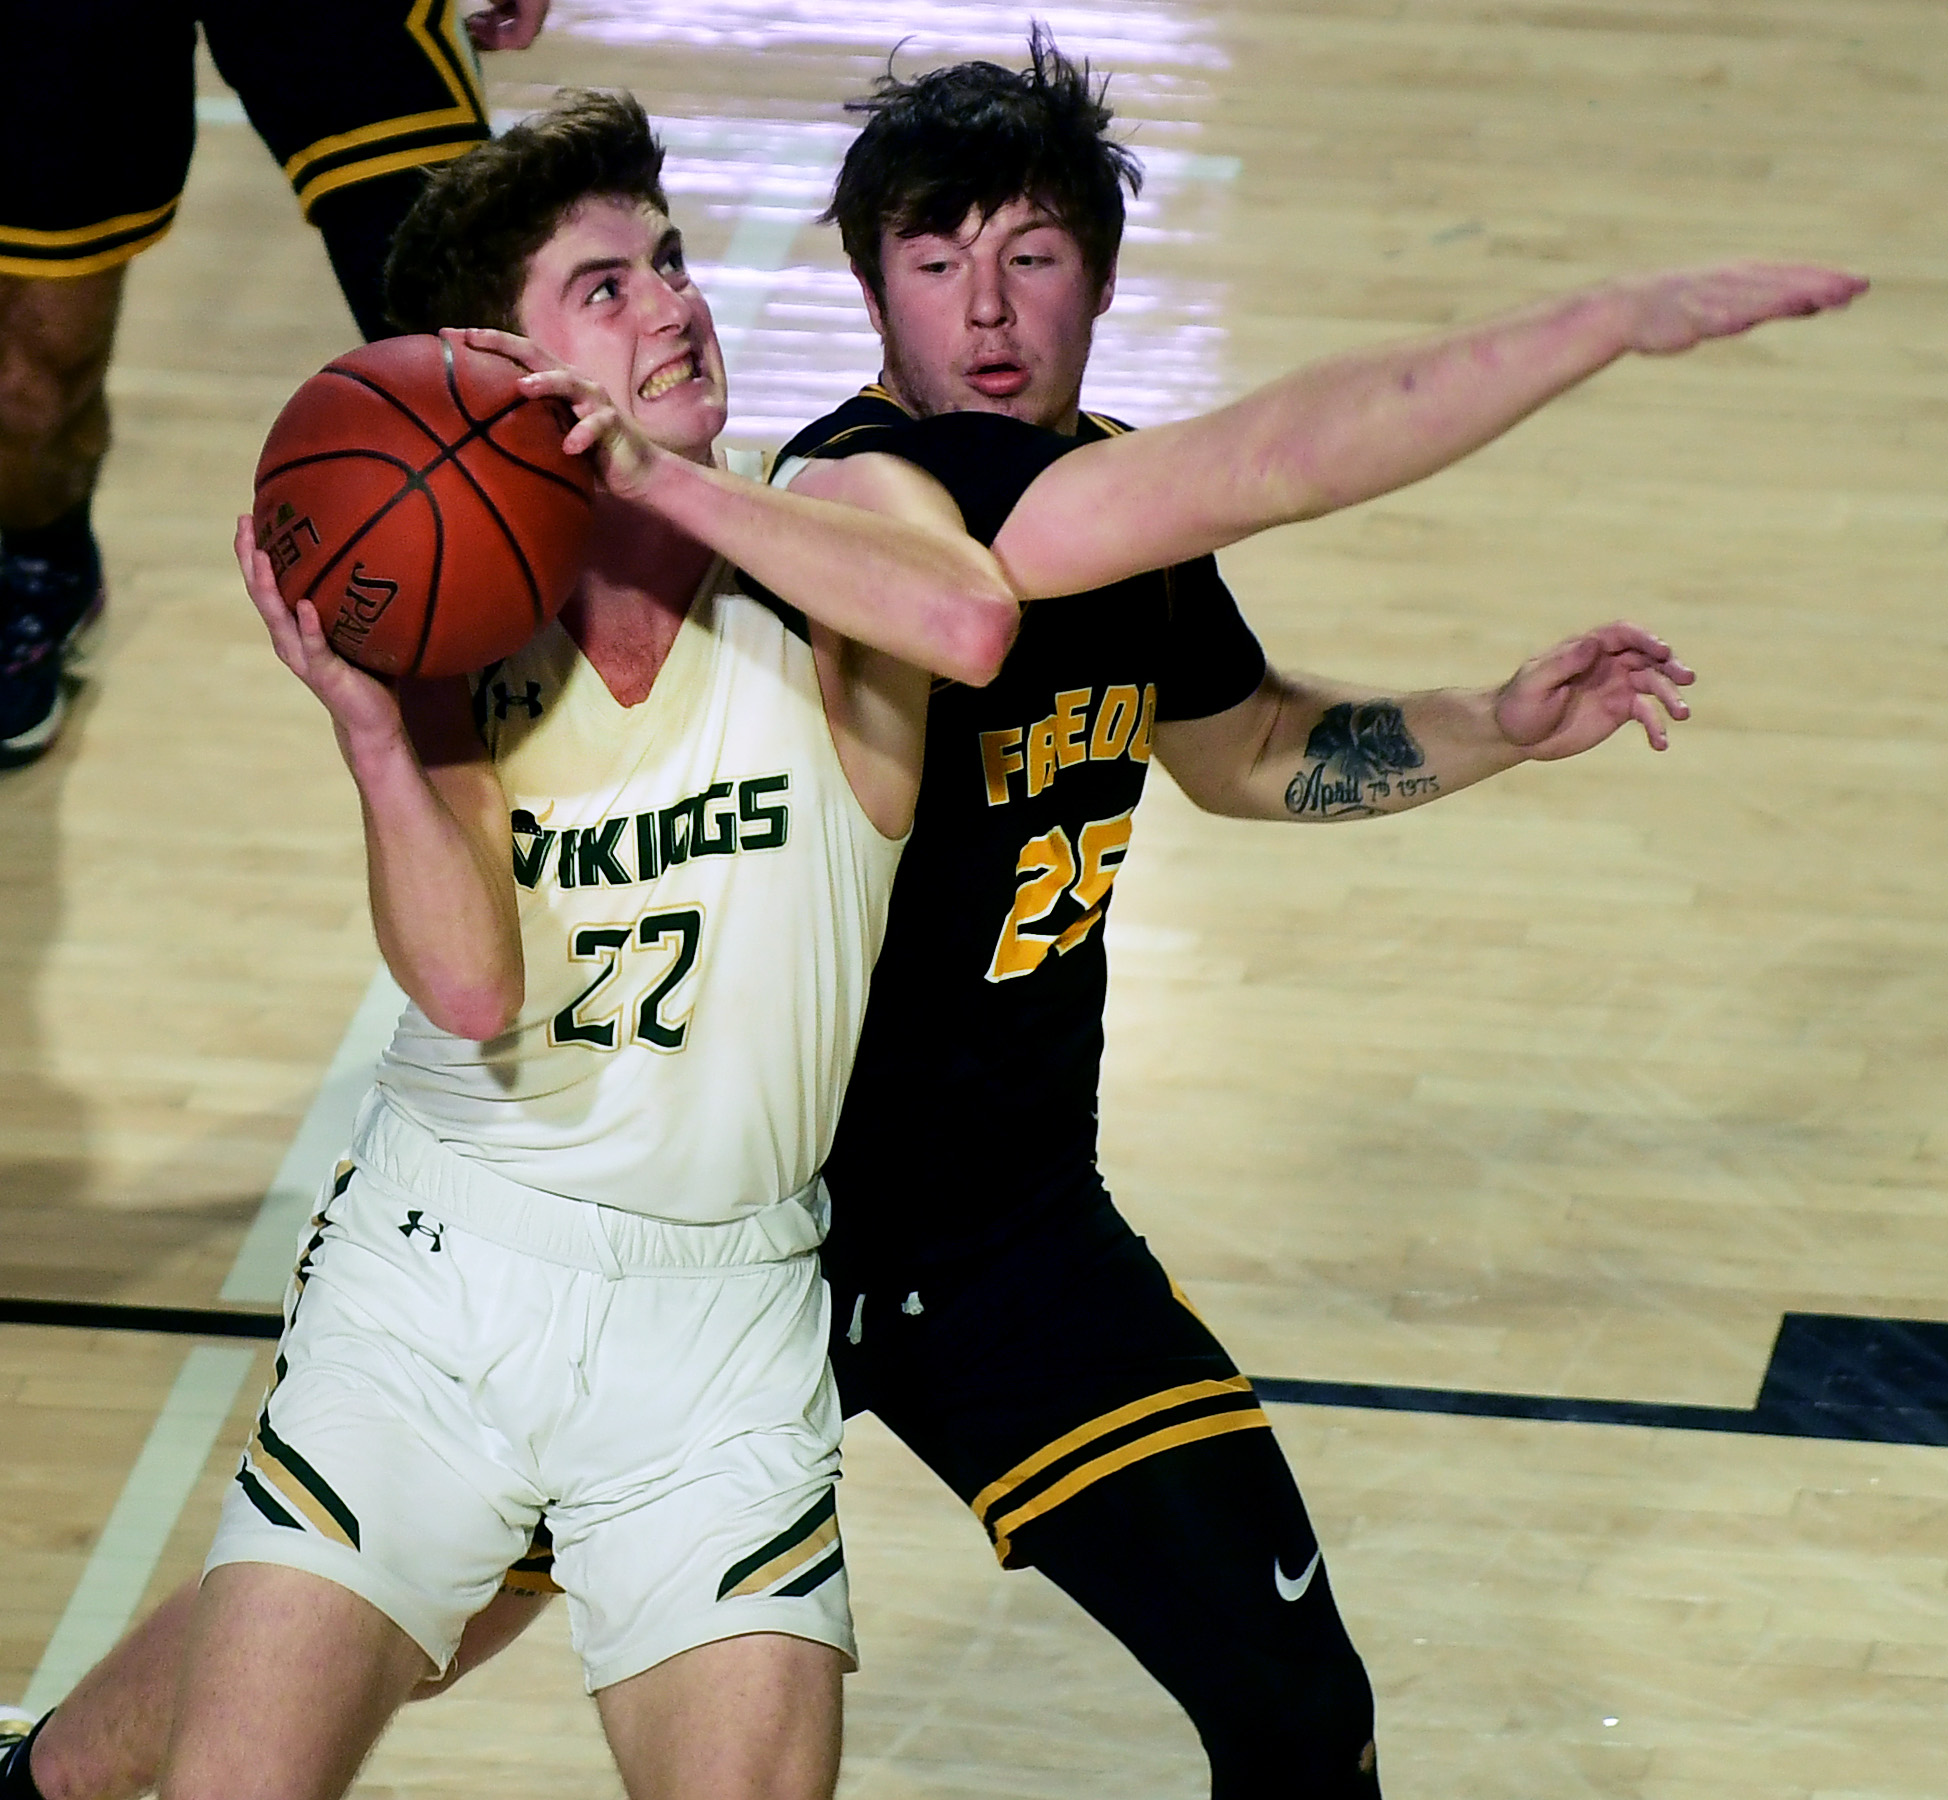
(413, 1224)
(504, 698)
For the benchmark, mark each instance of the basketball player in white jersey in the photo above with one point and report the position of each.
(559, 847)
(633, 880)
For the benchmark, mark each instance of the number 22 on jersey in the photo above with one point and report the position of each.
(640, 967)
(1084, 869)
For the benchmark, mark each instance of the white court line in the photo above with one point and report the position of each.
(131, 1544)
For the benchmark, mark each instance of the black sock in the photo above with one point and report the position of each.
(357, 223)
(16, 1777)
(66, 544)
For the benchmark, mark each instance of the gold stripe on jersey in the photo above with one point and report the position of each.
(1179, 1415)
(851, 431)
(873, 390)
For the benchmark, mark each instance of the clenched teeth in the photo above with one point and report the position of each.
(668, 376)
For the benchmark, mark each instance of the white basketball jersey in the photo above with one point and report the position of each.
(701, 900)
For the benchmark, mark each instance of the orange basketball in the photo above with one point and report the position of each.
(422, 503)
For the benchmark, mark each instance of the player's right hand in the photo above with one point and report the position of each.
(363, 708)
(625, 455)
(1679, 308)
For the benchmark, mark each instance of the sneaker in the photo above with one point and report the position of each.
(47, 619)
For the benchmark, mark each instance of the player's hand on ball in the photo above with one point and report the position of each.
(1569, 699)
(1680, 308)
(362, 707)
(625, 455)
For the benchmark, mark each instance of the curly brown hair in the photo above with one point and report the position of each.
(460, 256)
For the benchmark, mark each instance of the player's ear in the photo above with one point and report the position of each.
(873, 312)
(1108, 290)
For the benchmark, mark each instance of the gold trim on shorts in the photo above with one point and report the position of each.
(805, 1555)
(152, 226)
(1180, 1415)
(455, 68)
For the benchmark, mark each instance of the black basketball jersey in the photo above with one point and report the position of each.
(973, 1101)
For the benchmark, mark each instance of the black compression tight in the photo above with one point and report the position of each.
(1175, 1555)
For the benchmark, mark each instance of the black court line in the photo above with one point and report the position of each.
(1476, 1403)
(1830, 1375)
(1869, 1381)
(177, 1321)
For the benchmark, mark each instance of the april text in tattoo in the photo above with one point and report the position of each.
(1356, 757)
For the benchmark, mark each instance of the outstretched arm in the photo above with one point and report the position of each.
(887, 565)
(1315, 751)
(894, 570)
(1352, 427)
(437, 844)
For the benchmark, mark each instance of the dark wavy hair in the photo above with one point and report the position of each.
(974, 137)
(460, 256)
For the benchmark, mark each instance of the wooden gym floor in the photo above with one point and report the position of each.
(1572, 1085)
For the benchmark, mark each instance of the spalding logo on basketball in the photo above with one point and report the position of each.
(422, 503)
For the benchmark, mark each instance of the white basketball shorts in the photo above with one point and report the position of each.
(463, 1356)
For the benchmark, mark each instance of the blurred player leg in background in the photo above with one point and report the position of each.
(97, 122)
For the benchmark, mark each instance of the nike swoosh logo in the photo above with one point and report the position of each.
(1289, 1589)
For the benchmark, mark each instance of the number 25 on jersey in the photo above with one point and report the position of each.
(1084, 870)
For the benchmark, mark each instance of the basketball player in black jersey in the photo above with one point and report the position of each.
(989, 1303)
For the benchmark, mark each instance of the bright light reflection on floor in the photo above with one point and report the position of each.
(793, 330)
(796, 336)
(1125, 33)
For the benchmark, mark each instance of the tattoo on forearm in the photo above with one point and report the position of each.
(1355, 757)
